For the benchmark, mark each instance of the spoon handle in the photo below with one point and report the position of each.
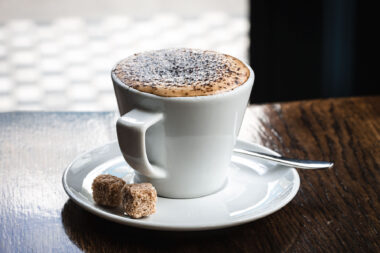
(301, 164)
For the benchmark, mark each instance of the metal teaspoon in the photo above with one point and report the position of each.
(297, 163)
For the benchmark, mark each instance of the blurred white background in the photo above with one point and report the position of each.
(57, 55)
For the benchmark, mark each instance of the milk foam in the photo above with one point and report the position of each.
(181, 72)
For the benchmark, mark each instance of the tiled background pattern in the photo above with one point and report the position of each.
(64, 64)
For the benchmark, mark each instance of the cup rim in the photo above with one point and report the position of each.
(250, 79)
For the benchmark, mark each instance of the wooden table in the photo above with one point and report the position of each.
(335, 210)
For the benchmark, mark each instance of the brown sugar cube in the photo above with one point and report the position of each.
(139, 200)
(106, 190)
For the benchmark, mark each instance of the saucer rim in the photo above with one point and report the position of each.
(172, 227)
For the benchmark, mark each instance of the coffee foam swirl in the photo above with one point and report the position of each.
(182, 72)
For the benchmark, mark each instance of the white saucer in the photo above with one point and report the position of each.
(255, 189)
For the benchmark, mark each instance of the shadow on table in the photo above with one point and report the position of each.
(94, 234)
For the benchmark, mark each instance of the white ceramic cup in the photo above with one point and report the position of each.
(182, 145)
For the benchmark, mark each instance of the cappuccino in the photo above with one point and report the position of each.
(182, 72)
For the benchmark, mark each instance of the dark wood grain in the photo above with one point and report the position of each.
(336, 210)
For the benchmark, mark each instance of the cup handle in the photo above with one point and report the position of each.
(131, 129)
